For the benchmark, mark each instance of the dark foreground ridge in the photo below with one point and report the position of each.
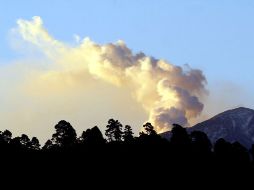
(184, 155)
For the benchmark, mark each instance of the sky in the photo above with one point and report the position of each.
(215, 36)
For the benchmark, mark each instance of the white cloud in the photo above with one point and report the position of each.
(99, 81)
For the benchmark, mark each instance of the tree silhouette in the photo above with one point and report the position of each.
(180, 144)
(6, 136)
(148, 129)
(48, 145)
(223, 154)
(35, 144)
(200, 142)
(114, 131)
(128, 134)
(180, 136)
(65, 135)
(222, 149)
(5, 139)
(240, 155)
(92, 137)
(149, 136)
(25, 141)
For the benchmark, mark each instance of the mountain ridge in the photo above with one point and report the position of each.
(232, 125)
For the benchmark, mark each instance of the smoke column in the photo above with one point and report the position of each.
(59, 76)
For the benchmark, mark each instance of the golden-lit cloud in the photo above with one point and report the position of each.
(91, 82)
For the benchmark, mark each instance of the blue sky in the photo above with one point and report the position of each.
(216, 36)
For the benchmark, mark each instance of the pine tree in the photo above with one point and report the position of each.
(65, 135)
(128, 134)
(114, 131)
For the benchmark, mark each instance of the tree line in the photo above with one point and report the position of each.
(186, 150)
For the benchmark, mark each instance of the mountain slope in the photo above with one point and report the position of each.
(232, 125)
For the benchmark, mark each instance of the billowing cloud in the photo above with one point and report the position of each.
(67, 77)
